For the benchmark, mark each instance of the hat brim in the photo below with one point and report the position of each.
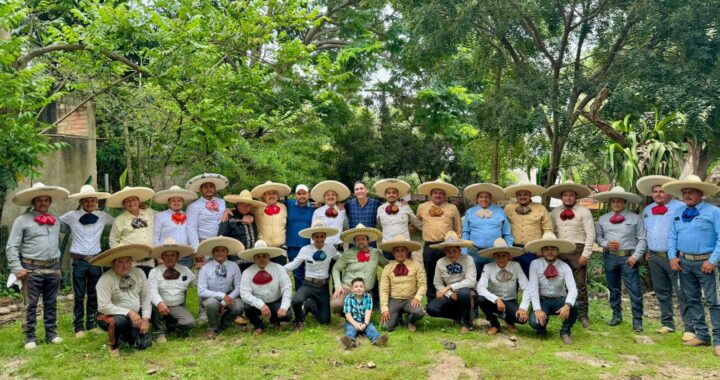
(271, 251)
(163, 197)
(181, 249)
(381, 187)
(457, 243)
(282, 189)
(535, 190)
(116, 200)
(628, 197)
(675, 187)
(412, 246)
(137, 252)
(471, 192)
(489, 253)
(555, 191)
(563, 246)
(234, 247)
(308, 232)
(25, 197)
(95, 194)
(449, 189)
(219, 180)
(645, 184)
(373, 234)
(318, 191)
(235, 199)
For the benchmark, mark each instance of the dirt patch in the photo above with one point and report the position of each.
(583, 359)
(451, 367)
(11, 367)
(499, 341)
(644, 339)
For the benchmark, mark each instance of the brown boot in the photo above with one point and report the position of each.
(382, 341)
(346, 341)
(585, 321)
(694, 342)
(493, 330)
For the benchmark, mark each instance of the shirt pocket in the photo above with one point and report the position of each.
(37, 231)
(703, 224)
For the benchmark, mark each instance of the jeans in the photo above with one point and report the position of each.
(460, 310)
(218, 321)
(430, 259)
(666, 282)
(550, 306)
(370, 331)
(84, 278)
(120, 329)
(316, 299)
(299, 272)
(615, 270)
(45, 283)
(491, 311)
(694, 282)
(255, 315)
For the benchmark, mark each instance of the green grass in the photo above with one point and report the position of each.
(315, 353)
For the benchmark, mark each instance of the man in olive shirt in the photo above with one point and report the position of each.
(402, 284)
(528, 220)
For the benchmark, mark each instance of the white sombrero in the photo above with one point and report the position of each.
(471, 192)
(645, 184)
(556, 191)
(318, 226)
(427, 187)
(372, 233)
(500, 245)
(170, 245)
(535, 190)
(319, 190)
(138, 252)
(618, 192)
(261, 247)
(382, 185)
(690, 182)
(219, 180)
(87, 191)
(550, 240)
(282, 189)
(175, 191)
(400, 241)
(244, 197)
(25, 197)
(116, 200)
(452, 240)
(234, 246)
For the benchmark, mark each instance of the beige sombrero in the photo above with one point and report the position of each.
(282, 189)
(219, 180)
(500, 245)
(138, 252)
(452, 240)
(427, 187)
(471, 192)
(25, 197)
(170, 245)
(116, 200)
(175, 191)
(261, 247)
(618, 192)
(382, 185)
(690, 182)
(400, 241)
(556, 190)
(535, 190)
(318, 226)
(87, 191)
(244, 197)
(372, 233)
(319, 190)
(234, 246)
(550, 240)
(645, 184)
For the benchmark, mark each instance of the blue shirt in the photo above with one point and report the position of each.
(698, 236)
(658, 226)
(358, 308)
(483, 231)
(367, 215)
(299, 218)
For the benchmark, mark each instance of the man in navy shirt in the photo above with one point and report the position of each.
(300, 213)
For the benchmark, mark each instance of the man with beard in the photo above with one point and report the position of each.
(528, 220)
(393, 216)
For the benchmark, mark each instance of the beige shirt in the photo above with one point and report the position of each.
(434, 228)
(581, 229)
(123, 233)
(114, 301)
(271, 228)
(414, 285)
(529, 227)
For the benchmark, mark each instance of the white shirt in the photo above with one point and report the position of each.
(172, 292)
(114, 301)
(164, 227)
(397, 224)
(201, 222)
(259, 295)
(339, 222)
(540, 286)
(86, 238)
(464, 279)
(491, 288)
(211, 285)
(314, 269)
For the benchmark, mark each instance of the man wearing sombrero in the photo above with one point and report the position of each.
(438, 217)
(300, 213)
(124, 297)
(265, 288)
(393, 216)
(241, 224)
(135, 225)
(272, 219)
(34, 257)
(657, 218)
(330, 193)
(402, 284)
(172, 223)
(498, 286)
(573, 221)
(621, 234)
(203, 215)
(694, 251)
(528, 220)
(168, 285)
(455, 281)
(86, 228)
(551, 287)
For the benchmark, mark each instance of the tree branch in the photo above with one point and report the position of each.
(537, 39)
(594, 117)
(22, 62)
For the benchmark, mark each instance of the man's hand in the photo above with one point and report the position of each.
(337, 293)
(228, 300)
(226, 215)
(453, 296)
(564, 312)
(631, 261)
(281, 312)
(265, 310)
(500, 305)
(360, 327)
(583, 260)
(675, 264)
(144, 326)
(248, 219)
(163, 309)
(385, 317)
(541, 317)
(613, 245)
(134, 318)
(22, 274)
(521, 315)
(707, 267)
(414, 303)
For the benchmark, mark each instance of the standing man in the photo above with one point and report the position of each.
(393, 216)
(86, 227)
(575, 222)
(135, 225)
(300, 213)
(330, 214)
(272, 219)
(528, 220)
(172, 223)
(622, 235)
(34, 257)
(203, 215)
(438, 217)
(694, 251)
(361, 209)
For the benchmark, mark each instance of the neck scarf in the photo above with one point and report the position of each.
(45, 219)
(484, 213)
(319, 255)
(262, 277)
(363, 256)
(272, 210)
(567, 214)
(212, 205)
(171, 274)
(331, 212)
(88, 218)
(392, 209)
(221, 271)
(454, 268)
(126, 282)
(179, 218)
(436, 211)
(138, 223)
(504, 275)
(401, 270)
(550, 271)
(689, 214)
(523, 209)
(659, 210)
(617, 218)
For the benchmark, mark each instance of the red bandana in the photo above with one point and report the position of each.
(272, 210)
(331, 212)
(363, 256)
(392, 209)
(659, 210)
(567, 214)
(550, 271)
(212, 205)
(45, 219)
(617, 219)
(401, 270)
(179, 218)
(262, 278)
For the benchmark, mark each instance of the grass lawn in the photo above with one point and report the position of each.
(600, 352)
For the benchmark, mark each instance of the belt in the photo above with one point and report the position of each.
(543, 298)
(316, 281)
(620, 252)
(659, 254)
(692, 257)
(519, 245)
(428, 243)
(77, 256)
(40, 263)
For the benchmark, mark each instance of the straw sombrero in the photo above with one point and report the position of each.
(400, 241)
(234, 246)
(319, 190)
(382, 185)
(138, 252)
(171, 245)
(618, 192)
(244, 197)
(535, 190)
(471, 192)
(550, 240)
(427, 187)
(500, 245)
(116, 200)
(25, 197)
(452, 240)
(372, 233)
(318, 226)
(690, 182)
(645, 184)
(87, 191)
(219, 180)
(282, 189)
(556, 190)
(261, 247)
(175, 191)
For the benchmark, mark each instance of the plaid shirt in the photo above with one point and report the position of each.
(358, 214)
(358, 309)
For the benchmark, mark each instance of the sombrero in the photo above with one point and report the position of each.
(244, 197)
(535, 190)
(116, 200)
(25, 197)
(400, 241)
(471, 192)
(556, 190)
(234, 247)
(690, 182)
(175, 191)
(282, 189)
(372, 233)
(219, 180)
(645, 184)
(427, 187)
(382, 185)
(500, 245)
(87, 191)
(319, 190)
(452, 240)
(170, 245)
(618, 192)
(138, 252)
(261, 247)
(318, 226)
(550, 240)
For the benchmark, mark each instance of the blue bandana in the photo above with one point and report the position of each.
(319, 255)
(88, 219)
(454, 268)
(689, 214)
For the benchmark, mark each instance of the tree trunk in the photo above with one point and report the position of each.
(128, 155)
(495, 159)
(696, 160)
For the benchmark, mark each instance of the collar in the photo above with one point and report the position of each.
(307, 204)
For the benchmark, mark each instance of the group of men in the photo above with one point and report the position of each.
(242, 255)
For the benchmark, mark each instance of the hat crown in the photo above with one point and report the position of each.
(260, 244)
(175, 188)
(500, 243)
(360, 225)
(451, 236)
(318, 223)
(548, 235)
(692, 178)
(618, 189)
(169, 241)
(38, 185)
(398, 238)
(245, 194)
(84, 189)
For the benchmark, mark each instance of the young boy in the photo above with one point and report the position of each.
(358, 310)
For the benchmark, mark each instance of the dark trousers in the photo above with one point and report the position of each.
(694, 282)
(550, 307)
(398, 307)
(121, 329)
(255, 316)
(666, 282)
(580, 276)
(45, 283)
(85, 277)
(491, 311)
(189, 261)
(460, 310)
(179, 319)
(480, 262)
(430, 259)
(282, 260)
(617, 270)
(299, 272)
(316, 299)
(525, 259)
